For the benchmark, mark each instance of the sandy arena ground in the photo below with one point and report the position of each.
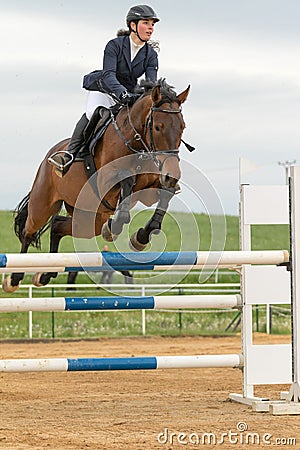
(129, 410)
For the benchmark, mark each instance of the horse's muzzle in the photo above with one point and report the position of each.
(167, 180)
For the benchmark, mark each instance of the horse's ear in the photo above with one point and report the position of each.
(156, 94)
(183, 96)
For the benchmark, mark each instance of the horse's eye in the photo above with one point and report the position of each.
(157, 128)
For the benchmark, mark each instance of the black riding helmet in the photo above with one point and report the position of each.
(140, 12)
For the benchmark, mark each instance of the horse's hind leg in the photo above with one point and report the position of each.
(142, 237)
(11, 283)
(72, 280)
(61, 226)
(27, 225)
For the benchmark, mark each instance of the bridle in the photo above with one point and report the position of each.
(148, 152)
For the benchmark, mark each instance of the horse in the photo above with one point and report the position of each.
(137, 159)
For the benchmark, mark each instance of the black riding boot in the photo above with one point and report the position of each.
(99, 119)
(63, 159)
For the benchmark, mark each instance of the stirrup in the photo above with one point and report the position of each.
(61, 166)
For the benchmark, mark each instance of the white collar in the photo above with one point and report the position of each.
(134, 48)
(134, 45)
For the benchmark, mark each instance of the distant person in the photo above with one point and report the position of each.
(107, 274)
(106, 277)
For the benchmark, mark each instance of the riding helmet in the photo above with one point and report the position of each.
(141, 12)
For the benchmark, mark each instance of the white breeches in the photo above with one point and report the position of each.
(95, 99)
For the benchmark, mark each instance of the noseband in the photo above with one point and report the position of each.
(148, 152)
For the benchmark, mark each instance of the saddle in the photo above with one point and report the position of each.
(93, 133)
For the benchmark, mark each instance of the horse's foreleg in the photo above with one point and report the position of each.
(142, 237)
(113, 227)
(61, 226)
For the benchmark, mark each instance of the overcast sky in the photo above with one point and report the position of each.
(241, 58)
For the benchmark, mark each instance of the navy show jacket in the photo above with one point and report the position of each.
(119, 72)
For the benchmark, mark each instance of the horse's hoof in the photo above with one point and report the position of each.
(155, 232)
(7, 286)
(117, 223)
(135, 245)
(107, 234)
(36, 279)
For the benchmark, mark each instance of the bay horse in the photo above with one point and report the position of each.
(137, 159)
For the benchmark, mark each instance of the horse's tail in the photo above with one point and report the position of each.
(21, 214)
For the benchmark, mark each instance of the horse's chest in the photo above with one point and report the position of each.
(146, 181)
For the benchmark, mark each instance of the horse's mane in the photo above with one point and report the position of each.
(146, 86)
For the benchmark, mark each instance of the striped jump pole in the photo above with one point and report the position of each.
(68, 262)
(132, 363)
(118, 303)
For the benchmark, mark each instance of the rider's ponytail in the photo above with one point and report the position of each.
(123, 32)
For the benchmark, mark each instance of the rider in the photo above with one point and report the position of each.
(126, 58)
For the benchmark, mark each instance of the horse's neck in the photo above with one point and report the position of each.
(128, 124)
(136, 119)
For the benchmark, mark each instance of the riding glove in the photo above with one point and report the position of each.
(128, 98)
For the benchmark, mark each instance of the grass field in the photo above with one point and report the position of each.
(177, 228)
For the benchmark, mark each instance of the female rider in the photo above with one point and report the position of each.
(126, 58)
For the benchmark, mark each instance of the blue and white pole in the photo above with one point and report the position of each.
(131, 363)
(68, 262)
(119, 303)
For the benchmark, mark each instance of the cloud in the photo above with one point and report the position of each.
(239, 57)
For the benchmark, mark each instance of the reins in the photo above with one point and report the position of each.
(147, 152)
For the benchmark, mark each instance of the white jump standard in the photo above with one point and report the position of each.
(271, 363)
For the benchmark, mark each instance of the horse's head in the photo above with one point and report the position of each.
(163, 127)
